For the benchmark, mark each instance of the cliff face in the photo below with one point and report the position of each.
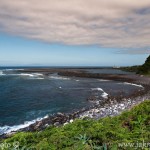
(145, 68)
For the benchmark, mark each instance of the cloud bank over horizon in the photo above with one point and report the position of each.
(117, 24)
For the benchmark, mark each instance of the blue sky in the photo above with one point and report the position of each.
(19, 51)
(74, 32)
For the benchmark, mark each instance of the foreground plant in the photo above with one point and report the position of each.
(130, 130)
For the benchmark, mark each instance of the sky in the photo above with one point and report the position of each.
(74, 32)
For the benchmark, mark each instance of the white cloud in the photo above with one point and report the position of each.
(108, 23)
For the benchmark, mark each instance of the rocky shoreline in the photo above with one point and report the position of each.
(110, 106)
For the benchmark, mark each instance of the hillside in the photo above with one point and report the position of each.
(145, 68)
(129, 130)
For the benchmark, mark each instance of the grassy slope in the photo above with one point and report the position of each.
(131, 127)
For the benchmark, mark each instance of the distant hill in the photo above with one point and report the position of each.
(145, 68)
(130, 69)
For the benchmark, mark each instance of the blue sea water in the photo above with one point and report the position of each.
(26, 97)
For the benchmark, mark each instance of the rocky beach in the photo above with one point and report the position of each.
(110, 106)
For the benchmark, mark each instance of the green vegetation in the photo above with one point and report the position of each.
(126, 131)
(145, 68)
(130, 69)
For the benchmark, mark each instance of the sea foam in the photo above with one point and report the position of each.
(58, 78)
(37, 76)
(26, 74)
(102, 80)
(7, 129)
(138, 85)
(1, 73)
(31, 74)
(104, 94)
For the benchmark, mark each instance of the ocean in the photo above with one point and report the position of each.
(28, 97)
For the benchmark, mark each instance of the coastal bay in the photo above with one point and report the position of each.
(98, 104)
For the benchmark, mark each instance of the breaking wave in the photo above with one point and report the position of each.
(9, 72)
(37, 76)
(138, 85)
(102, 80)
(8, 129)
(59, 78)
(104, 94)
(1, 73)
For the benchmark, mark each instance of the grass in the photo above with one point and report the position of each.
(124, 132)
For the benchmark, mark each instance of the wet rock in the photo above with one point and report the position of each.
(38, 125)
(60, 114)
(46, 125)
(10, 134)
(56, 124)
